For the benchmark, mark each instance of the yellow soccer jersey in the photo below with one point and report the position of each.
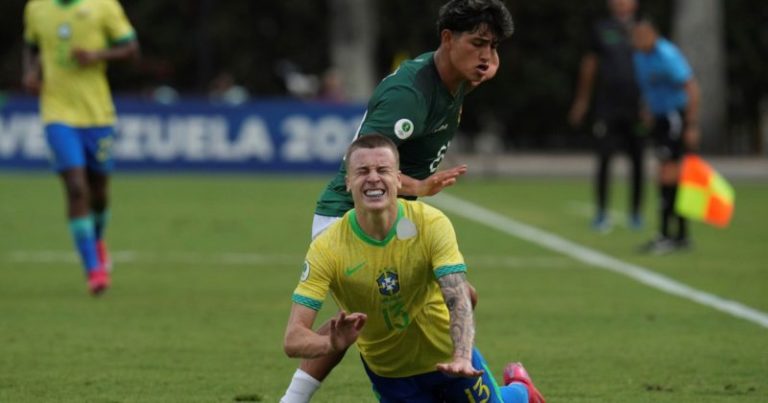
(393, 281)
(74, 95)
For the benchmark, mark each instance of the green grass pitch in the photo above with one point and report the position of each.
(205, 266)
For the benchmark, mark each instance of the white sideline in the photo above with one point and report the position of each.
(550, 241)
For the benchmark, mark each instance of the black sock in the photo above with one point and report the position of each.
(667, 207)
(601, 184)
(682, 223)
(637, 185)
(682, 229)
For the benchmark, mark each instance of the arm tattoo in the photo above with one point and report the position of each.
(456, 296)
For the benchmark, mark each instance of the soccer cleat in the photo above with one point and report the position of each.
(635, 222)
(660, 245)
(601, 224)
(98, 281)
(515, 372)
(683, 244)
(103, 254)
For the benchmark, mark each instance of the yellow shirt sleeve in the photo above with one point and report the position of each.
(30, 36)
(445, 254)
(315, 278)
(118, 27)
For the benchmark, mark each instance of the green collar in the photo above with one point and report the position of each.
(62, 4)
(375, 242)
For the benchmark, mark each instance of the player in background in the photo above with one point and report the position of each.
(672, 96)
(68, 45)
(395, 266)
(419, 108)
(608, 69)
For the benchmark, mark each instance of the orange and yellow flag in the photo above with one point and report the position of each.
(703, 194)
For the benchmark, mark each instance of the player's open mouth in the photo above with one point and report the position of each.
(374, 193)
(482, 68)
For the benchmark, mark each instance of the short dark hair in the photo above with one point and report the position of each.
(371, 141)
(471, 15)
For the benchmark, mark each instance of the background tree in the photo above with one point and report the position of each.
(353, 33)
(698, 30)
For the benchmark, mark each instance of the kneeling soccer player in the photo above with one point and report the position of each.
(395, 266)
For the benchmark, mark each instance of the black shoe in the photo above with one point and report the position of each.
(684, 244)
(660, 245)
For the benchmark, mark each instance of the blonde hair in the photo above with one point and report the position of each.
(371, 141)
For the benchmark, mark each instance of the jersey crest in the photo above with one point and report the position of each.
(403, 129)
(388, 283)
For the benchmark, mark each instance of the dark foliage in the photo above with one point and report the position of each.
(186, 43)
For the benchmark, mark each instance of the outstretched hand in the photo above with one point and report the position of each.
(345, 328)
(441, 180)
(459, 367)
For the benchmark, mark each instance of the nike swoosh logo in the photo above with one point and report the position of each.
(351, 270)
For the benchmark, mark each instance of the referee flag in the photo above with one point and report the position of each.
(703, 194)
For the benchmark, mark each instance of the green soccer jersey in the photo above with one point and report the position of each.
(416, 110)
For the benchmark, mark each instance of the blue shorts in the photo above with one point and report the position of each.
(434, 387)
(77, 147)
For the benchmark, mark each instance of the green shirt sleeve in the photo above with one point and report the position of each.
(397, 112)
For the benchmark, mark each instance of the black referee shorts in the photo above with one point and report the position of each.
(668, 136)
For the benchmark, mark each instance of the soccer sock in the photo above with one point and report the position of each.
(83, 234)
(601, 185)
(100, 220)
(515, 392)
(667, 207)
(637, 185)
(682, 228)
(301, 389)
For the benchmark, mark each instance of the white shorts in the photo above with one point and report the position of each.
(320, 223)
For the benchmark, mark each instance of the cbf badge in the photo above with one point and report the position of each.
(64, 31)
(305, 272)
(388, 283)
(403, 129)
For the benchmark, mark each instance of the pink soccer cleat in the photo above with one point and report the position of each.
(103, 254)
(98, 281)
(515, 372)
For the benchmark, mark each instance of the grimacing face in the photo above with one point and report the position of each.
(471, 53)
(373, 178)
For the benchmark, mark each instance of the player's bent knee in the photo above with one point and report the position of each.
(77, 193)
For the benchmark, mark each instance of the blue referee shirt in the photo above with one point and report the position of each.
(662, 74)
